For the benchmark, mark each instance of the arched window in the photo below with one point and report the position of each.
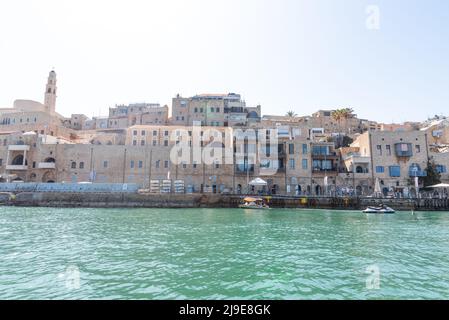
(18, 160)
(239, 189)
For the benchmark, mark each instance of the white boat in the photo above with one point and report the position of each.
(254, 203)
(381, 209)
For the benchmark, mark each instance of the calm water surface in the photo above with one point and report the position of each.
(221, 254)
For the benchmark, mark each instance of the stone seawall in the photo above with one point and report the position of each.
(135, 200)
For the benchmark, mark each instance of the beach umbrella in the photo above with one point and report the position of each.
(326, 183)
(417, 185)
(377, 188)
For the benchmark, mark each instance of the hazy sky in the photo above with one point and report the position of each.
(298, 55)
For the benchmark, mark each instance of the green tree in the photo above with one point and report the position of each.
(339, 115)
(433, 176)
(291, 114)
(340, 141)
(347, 141)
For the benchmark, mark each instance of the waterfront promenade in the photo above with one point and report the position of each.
(136, 200)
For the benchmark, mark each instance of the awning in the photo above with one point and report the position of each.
(252, 199)
(439, 186)
(258, 182)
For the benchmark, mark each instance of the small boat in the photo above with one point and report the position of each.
(254, 203)
(381, 209)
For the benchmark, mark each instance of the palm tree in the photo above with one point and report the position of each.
(347, 113)
(337, 115)
(291, 114)
(342, 114)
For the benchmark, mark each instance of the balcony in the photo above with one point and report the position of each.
(18, 147)
(46, 165)
(240, 170)
(16, 167)
(403, 149)
(321, 171)
(417, 173)
(323, 156)
(356, 159)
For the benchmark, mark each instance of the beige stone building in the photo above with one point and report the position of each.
(221, 110)
(394, 158)
(122, 116)
(140, 143)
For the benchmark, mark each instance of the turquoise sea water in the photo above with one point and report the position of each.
(50, 253)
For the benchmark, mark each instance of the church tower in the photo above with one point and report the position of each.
(50, 93)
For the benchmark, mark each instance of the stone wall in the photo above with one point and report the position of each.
(135, 200)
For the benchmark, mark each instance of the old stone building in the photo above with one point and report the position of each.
(214, 143)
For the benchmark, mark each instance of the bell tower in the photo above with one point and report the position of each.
(50, 93)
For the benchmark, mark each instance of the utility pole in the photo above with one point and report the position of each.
(151, 166)
(353, 174)
(124, 167)
(91, 165)
(287, 157)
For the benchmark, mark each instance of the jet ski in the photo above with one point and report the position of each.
(381, 209)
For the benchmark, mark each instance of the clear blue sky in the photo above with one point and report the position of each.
(293, 54)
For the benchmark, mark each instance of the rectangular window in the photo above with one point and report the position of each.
(291, 148)
(140, 164)
(154, 143)
(184, 165)
(395, 171)
(166, 133)
(134, 142)
(81, 165)
(418, 148)
(142, 142)
(73, 165)
(166, 143)
(439, 168)
(105, 164)
(1, 162)
(34, 164)
(158, 164)
(388, 147)
(380, 169)
(304, 149)
(379, 150)
(154, 133)
(166, 164)
(132, 164)
(143, 132)
(305, 164)
(291, 163)
(194, 165)
(135, 133)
